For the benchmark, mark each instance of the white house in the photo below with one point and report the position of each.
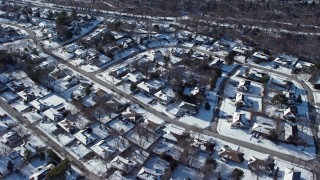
(103, 149)
(85, 136)
(122, 164)
(149, 174)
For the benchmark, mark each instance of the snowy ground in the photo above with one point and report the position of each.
(183, 172)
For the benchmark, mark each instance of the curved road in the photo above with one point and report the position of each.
(91, 76)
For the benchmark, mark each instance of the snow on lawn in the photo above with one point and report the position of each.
(89, 68)
(119, 126)
(246, 135)
(183, 172)
(32, 167)
(119, 143)
(144, 141)
(99, 130)
(97, 166)
(226, 168)
(33, 116)
(165, 147)
(125, 87)
(62, 54)
(47, 126)
(79, 150)
(65, 139)
(202, 119)
(144, 98)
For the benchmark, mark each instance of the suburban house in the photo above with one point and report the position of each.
(41, 174)
(86, 136)
(135, 77)
(103, 149)
(150, 87)
(291, 174)
(16, 160)
(239, 120)
(122, 164)
(242, 49)
(227, 153)
(166, 95)
(286, 61)
(188, 108)
(260, 57)
(151, 126)
(259, 129)
(244, 85)
(149, 174)
(216, 62)
(290, 113)
(259, 165)
(303, 65)
(11, 138)
(315, 80)
(291, 133)
(68, 126)
(240, 100)
(281, 83)
(53, 114)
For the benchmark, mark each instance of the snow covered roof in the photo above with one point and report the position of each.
(151, 85)
(261, 55)
(122, 164)
(85, 137)
(174, 129)
(149, 174)
(134, 77)
(103, 149)
(238, 119)
(52, 114)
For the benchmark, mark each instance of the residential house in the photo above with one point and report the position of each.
(122, 164)
(165, 96)
(27, 146)
(81, 53)
(259, 129)
(151, 126)
(239, 120)
(120, 71)
(188, 91)
(150, 87)
(227, 153)
(303, 65)
(244, 85)
(41, 172)
(11, 138)
(53, 114)
(68, 126)
(315, 80)
(242, 49)
(290, 113)
(291, 133)
(281, 83)
(3, 127)
(149, 174)
(136, 77)
(240, 100)
(260, 57)
(291, 174)
(173, 133)
(259, 165)
(216, 62)
(103, 149)
(16, 160)
(286, 61)
(188, 108)
(86, 136)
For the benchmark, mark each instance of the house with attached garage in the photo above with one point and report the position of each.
(290, 113)
(122, 164)
(86, 136)
(261, 165)
(260, 57)
(244, 85)
(240, 100)
(102, 149)
(188, 108)
(239, 120)
(149, 174)
(228, 154)
(286, 61)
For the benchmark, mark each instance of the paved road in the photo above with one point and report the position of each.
(50, 143)
(289, 158)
